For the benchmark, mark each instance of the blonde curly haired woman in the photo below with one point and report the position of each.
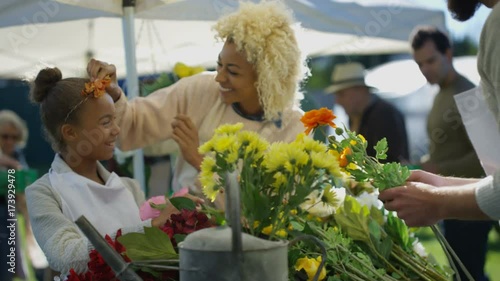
(259, 71)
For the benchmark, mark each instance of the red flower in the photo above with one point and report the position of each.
(185, 222)
(98, 268)
(73, 276)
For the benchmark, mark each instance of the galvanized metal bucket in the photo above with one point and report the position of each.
(226, 254)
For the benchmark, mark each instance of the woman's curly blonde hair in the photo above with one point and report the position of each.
(263, 32)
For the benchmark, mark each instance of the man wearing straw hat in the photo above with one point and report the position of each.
(369, 115)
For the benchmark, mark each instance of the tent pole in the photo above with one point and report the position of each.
(132, 79)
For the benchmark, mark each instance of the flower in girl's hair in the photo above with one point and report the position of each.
(96, 88)
(318, 117)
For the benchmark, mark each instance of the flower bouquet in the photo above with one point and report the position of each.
(328, 191)
(288, 190)
(153, 255)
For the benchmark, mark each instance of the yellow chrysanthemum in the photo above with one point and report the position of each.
(290, 156)
(326, 161)
(311, 145)
(310, 266)
(208, 178)
(225, 143)
(276, 157)
(207, 165)
(247, 137)
(230, 129)
(319, 161)
(206, 147)
(352, 142)
(280, 180)
(210, 185)
(232, 157)
(254, 145)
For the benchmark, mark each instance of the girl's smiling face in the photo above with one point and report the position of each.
(96, 132)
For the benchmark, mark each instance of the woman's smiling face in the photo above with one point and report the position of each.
(237, 79)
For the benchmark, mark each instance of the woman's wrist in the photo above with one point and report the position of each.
(158, 221)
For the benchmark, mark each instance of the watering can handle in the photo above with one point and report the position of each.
(233, 216)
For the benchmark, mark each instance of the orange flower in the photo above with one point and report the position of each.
(343, 161)
(97, 88)
(318, 117)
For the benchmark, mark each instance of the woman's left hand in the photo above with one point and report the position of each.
(185, 135)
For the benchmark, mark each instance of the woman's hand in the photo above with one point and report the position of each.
(164, 215)
(170, 209)
(97, 70)
(185, 135)
(416, 203)
(427, 178)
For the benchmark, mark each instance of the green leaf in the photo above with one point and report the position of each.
(308, 229)
(294, 255)
(377, 215)
(151, 271)
(385, 247)
(398, 231)
(297, 226)
(374, 228)
(157, 206)
(381, 149)
(153, 244)
(179, 237)
(353, 218)
(183, 203)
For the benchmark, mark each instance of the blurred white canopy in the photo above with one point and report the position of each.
(66, 33)
(410, 79)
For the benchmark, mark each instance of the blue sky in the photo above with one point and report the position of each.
(470, 28)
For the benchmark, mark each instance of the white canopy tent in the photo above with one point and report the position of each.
(172, 31)
(66, 33)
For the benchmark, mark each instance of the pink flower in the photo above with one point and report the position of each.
(148, 212)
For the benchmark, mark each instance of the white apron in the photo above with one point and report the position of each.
(108, 207)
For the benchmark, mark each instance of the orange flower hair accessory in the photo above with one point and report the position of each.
(318, 117)
(96, 88)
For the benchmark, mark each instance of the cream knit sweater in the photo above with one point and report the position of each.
(145, 121)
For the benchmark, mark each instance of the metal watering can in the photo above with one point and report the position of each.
(226, 254)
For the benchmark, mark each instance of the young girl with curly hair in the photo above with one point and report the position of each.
(80, 121)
